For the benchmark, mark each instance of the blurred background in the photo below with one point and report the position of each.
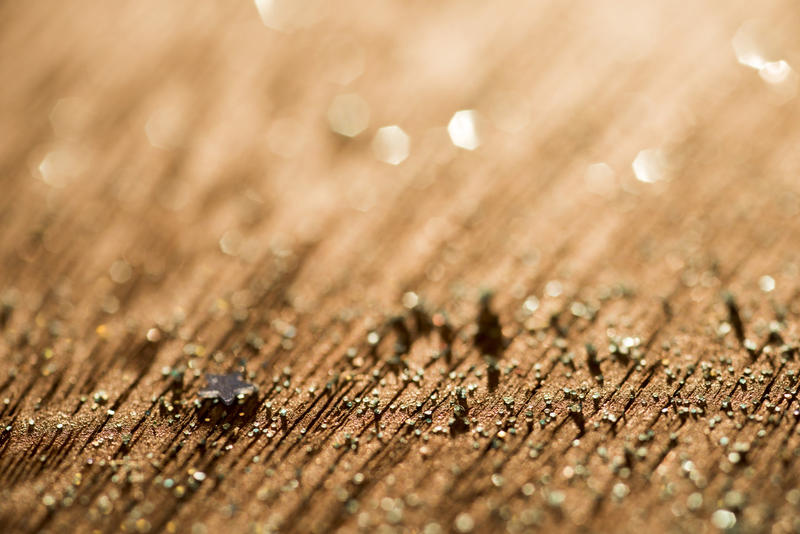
(295, 170)
(148, 131)
(154, 153)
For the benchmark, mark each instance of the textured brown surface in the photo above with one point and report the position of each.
(118, 237)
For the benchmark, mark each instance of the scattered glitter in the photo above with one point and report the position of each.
(230, 243)
(120, 271)
(464, 522)
(348, 115)
(391, 144)
(531, 304)
(553, 288)
(775, 72)
(153, 335)
(60, 166)
(766, 283)
(410, 299)
(288, 15)
(782, 79)
(650, 165)
(620, 490)
(723, 519)
(754, 43)
(463, 129)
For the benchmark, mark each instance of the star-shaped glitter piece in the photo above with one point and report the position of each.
(226, 387)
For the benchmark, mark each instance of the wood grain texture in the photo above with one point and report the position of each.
(173, 203)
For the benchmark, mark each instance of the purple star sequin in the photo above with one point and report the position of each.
(226, 387)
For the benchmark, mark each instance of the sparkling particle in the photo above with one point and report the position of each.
(757, 45)
(463, 129)
(553, 288)
(531, 304)
(781, 78)
(650, 165)
(695, 501)
(766, 283)
(775, 72)
(723, 519)
(410, 299)
(60, 166)
(120, 272)
(230, 243)
(391, 144)
(110, 304)
(464, 522)
(102, 331)
(288, 15)
(620, 490)
(153, 335)
(556, 498)
(754, 43)
(272, 14)
(348, 115)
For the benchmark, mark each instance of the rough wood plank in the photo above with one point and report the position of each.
(174, 203)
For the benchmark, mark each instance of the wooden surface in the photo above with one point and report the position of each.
(173, 203)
